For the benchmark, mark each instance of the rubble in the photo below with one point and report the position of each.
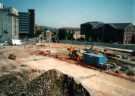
(12, 84)
(12, 57)
(42, 53)
(50, 83)
(54, 83)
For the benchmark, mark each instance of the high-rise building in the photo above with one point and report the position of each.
(23, 25)
(27, 24)
(32, 22)
(9, 25)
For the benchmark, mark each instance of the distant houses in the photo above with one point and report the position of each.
(43, 30)
(123, 33)
(63, 33)
(69, 33)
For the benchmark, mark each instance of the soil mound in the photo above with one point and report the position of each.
(50, 83)
(54, 83)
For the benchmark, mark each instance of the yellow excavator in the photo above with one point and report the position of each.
(74, 53)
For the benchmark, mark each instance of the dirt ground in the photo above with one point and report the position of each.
(96, 82)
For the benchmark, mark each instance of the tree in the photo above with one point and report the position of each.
(38, 32)
(62, 34)
(70, 35)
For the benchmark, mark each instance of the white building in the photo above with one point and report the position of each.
(9, 25)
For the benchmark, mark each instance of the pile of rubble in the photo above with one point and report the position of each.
(51, 83)
(13, 84)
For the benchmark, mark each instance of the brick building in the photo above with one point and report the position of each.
(109, 32)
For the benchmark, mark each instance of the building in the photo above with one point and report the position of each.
(126, 32)
(88, 29)
(27, 24)
(133, 40)
(9, 25)
(68, 33)
(23, 25)
(31, 22)
(42, 31)
(109, 32)
(78, 36)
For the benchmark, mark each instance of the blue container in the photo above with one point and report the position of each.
(95, 59)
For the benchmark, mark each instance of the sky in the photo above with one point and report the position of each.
(71, 13)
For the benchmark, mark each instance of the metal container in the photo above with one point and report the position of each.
(95, 59)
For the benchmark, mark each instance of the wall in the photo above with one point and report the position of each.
(6, 27)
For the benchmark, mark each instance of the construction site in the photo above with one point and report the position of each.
(67, 48)
(56, 69)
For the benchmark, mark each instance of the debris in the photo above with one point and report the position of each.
(12, 84)
(50, 83)
(12, 56)
(131, 73)
(133, 53)
(16, 42)
(42, 53)
(55, 83)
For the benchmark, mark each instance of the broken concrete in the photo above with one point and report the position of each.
(50, 83)
(54, 83)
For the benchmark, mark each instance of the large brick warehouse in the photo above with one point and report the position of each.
(109, 32)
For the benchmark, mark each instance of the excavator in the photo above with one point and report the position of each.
(77, 54)
(74, 53)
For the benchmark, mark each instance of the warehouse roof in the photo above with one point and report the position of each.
(120, 25)
(96, 25)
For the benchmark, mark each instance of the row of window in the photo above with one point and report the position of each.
(24, 30)
(24, 25)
